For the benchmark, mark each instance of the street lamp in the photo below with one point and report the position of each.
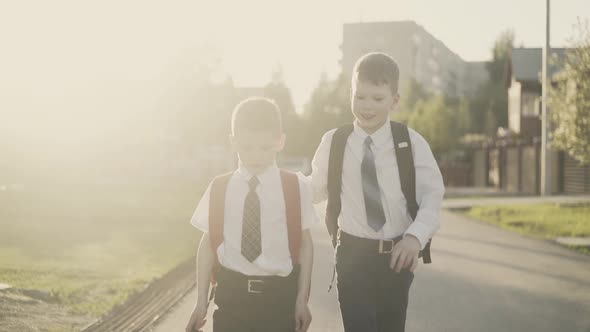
(545, 165)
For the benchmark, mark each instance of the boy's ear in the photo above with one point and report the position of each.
(232, 142)
(395, 102)
(282, 140)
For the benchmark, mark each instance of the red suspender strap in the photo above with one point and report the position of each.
(216, 211)
(292, 196)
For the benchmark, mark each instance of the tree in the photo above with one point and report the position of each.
(434, 120)
(413, 93)
(569, 99)
(278, 91)
(462, 120)
(328, 107)
(489, 107)
(442, 120)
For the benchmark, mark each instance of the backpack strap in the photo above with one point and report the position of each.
(217, 211)
(407, 174)
(335, 162)
(292, 197)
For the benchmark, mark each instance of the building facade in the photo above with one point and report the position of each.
(418, 53)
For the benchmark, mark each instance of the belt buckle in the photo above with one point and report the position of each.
(384, 251)
(252, 282)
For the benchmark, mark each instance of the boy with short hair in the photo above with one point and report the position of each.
(256, 243)
(384, 192)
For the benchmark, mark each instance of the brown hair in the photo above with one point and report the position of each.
(256, 114)
(378, 68)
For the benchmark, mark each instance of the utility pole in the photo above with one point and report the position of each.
(545, 164)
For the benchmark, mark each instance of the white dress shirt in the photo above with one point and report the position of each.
(352, 219)
(275, 258)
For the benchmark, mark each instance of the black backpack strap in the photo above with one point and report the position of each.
(407, 174)
(334, 184)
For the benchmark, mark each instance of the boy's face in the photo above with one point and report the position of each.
(257, 150)
(372, 104)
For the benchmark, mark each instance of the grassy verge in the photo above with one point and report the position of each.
(545, 221)
(88, 250)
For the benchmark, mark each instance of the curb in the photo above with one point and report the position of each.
(144, 308)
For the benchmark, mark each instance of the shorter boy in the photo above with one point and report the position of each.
(256, 244)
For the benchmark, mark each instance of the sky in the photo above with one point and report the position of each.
(76, 54)
(307, 40)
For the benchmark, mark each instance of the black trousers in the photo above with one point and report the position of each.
(254, 304)
(373, 297)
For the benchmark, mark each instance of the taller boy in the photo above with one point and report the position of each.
(384, 191)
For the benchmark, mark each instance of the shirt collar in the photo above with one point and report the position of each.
(264, 177)
(379, 137)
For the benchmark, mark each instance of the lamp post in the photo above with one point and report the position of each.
(545, 164)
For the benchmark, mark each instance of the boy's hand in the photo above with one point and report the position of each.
(197, 320)
(405, 254)
(302, 316)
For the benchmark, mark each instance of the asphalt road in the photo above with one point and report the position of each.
(482, 279)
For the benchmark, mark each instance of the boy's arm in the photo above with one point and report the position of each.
(429, 191)
(306, 261)
(319, 167)
(302, 313)
(205, 261)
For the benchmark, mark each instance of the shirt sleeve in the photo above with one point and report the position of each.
(429, 191)
(200, 218)
(319, 169)
(309, 216)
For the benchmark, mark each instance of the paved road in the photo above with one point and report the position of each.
(482, 279)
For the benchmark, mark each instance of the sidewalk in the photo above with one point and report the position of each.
(454, 192)
(466, 202)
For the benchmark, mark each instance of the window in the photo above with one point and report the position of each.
(530, 104)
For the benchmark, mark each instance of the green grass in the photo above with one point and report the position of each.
(89, 249)
(539, 220)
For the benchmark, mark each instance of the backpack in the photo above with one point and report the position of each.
(407, 176)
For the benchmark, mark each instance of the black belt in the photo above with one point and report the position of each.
(368, 245)
(241, 284)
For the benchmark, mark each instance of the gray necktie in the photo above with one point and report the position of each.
(371, 191)
(251, 246)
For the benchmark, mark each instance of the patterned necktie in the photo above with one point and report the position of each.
(251, 246)
(371, 191)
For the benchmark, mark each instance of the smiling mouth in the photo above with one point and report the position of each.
(368, 116)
